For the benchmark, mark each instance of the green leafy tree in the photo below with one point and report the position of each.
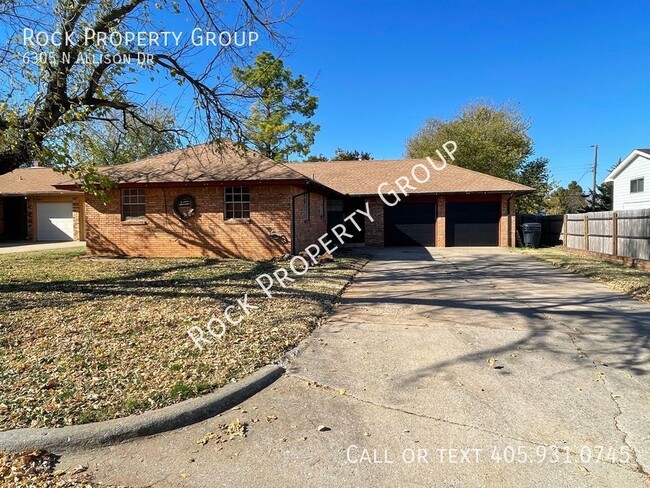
(491, 139)
(604, 200)
(105, 144)
(354, 155)
(51, 93)
(567, 200)
(278, 124)
(534, 173)
(315, 158)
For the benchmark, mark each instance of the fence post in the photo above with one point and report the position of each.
(586, 232)
(566, 232)
(615, 234)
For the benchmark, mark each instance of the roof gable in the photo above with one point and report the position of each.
(623, 165)
(202, 163)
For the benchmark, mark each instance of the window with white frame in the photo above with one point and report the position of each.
(636, 186)
(133, 204)
(306, 206)
(237, 203)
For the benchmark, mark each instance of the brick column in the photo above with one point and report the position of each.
(506, 222)
(441, 235)
(375, 229)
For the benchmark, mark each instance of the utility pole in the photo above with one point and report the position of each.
(593, 195)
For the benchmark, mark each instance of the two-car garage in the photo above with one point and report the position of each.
(466, 223)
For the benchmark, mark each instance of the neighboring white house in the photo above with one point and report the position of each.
(632, 181)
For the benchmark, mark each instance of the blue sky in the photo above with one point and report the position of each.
(579, 70)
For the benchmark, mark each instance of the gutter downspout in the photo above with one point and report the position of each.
(510, 222)
(293, 221)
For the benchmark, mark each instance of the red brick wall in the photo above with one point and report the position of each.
(507, 217)
(308, 232)
(375, 230)
(441, 222)
(162, 234)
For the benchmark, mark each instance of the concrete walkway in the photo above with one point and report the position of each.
(457, 367)
(28, 246)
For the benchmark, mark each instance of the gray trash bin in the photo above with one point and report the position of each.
(532, 233)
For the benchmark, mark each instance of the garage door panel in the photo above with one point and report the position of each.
(55, 221)
(410, 224)
(473, 224)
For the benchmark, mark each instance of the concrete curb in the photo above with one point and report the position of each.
(79, 437)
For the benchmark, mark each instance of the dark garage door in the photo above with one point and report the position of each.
(473, 224)
(410, 224)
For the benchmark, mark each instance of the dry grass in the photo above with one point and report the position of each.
(85, 339)
(631, 281)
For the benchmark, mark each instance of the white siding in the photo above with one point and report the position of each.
(623, 199)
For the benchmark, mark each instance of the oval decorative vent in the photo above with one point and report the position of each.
(184, 206)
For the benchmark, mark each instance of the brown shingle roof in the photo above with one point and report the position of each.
(364, 177)
(32, 181)
(200, 164)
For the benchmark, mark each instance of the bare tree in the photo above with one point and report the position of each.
(66, 63)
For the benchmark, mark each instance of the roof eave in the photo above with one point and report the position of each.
(463, 192)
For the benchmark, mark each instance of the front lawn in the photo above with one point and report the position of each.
(631, 281)
(87, 339)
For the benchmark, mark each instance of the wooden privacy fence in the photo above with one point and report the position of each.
(625, 233)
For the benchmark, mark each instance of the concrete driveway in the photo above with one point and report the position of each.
(455, 367)
(28, 246)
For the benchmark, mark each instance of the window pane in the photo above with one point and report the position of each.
(133, 203)
(236, 202)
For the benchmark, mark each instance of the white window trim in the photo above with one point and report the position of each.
(126, 192)
(226, 202)
(642, 184)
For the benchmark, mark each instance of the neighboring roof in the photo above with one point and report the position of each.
(629, 159)
(364, 177)
(32, 181)
(199, 164)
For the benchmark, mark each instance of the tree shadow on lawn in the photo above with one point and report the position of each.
(154, 283)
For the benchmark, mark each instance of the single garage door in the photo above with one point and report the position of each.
(410, 224)
(473, 224)
(54, 221)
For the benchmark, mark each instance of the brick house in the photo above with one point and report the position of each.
(200, 202)
(31, 208)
